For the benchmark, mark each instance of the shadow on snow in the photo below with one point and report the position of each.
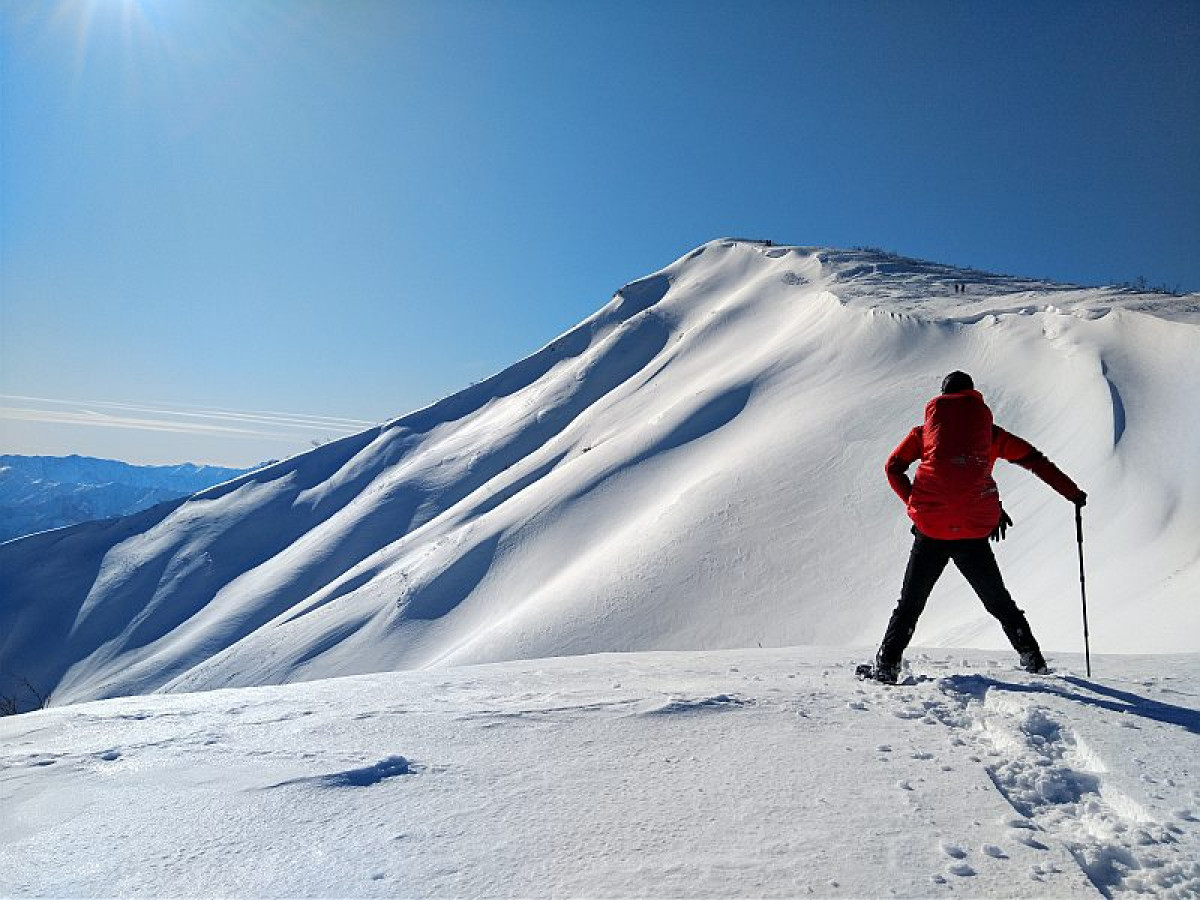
(1112, 699)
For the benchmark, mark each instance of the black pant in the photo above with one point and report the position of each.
(925, 565)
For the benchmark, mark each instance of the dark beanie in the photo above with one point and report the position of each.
(956, 382)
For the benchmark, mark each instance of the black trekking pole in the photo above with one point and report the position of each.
(1087, 650)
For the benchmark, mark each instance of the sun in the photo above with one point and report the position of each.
(130, 28)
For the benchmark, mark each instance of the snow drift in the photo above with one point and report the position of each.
(696, 466)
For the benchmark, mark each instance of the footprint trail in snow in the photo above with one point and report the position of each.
(1060, 786)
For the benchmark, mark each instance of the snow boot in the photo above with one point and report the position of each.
(1032, 661)
(888, 673)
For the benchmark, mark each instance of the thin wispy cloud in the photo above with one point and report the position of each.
(174, 419)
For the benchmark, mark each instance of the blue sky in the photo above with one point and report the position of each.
(326, 214)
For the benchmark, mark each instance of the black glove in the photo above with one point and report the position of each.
(1081, 500)
(1002, 526)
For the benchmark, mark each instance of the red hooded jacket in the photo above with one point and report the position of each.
(952, 496)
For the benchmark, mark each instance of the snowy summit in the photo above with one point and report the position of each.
(697, 467)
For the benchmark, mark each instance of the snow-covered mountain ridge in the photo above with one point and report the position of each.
(38, 493)
(697, 465)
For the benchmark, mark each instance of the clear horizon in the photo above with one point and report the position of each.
(230, 230)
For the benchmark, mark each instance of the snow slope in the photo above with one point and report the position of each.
(38, 493)
(696, 466)
(764, 773)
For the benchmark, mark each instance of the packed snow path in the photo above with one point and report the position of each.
(747, 773)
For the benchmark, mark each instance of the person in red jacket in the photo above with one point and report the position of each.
(955, 507)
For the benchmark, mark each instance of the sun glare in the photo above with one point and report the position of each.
(150, 46)
(98, 28)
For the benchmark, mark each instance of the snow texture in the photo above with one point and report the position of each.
(765, 773)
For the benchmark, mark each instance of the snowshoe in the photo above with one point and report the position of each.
(883, 674)
(1033, 661)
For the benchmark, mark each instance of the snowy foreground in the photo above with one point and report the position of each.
(719, 773)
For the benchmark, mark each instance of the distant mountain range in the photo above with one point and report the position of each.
(38, 493)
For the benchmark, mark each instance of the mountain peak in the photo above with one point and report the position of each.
(697, 465)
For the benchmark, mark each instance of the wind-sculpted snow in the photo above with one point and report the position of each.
(697, 465)
(364, 776)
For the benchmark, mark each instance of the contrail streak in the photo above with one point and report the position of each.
(180, 420)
